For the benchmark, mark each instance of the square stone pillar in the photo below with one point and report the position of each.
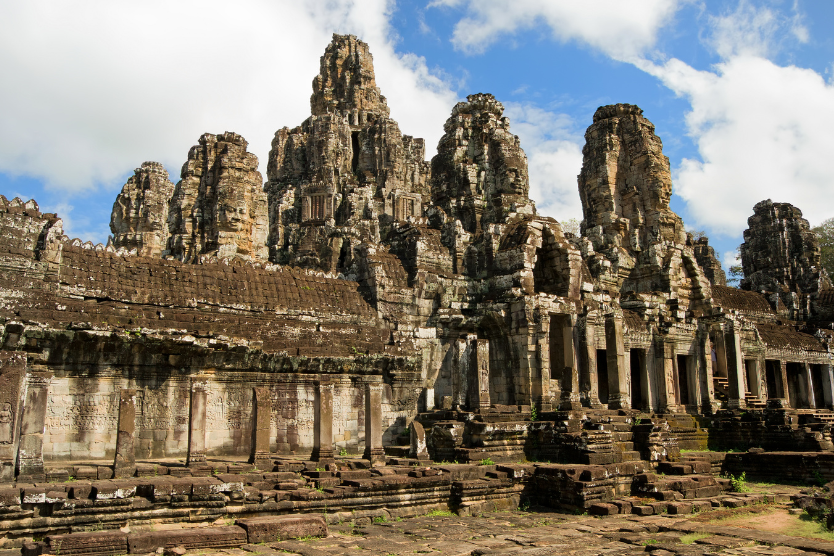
(323, 437)
(460, 372)
(827, 385)
(32, 425)
(569, 398)
(665, 362)
(197, 426)
(479, 367)
(373, 425)
(124, 464)
(260, 455)
(592, 373)
(618, 397)
(704, 373)
(783, 371)
(735, 369)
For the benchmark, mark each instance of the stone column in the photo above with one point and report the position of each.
(665, 361)
(708, 403)
(124, 464)
(593, 375)
(461, 373)
(373, 425)
(570, 374)
(323, 438)
(197, 426)
(32, 425)
(735, 369)
(419, 448)
(783, 371)
(479, 367)
(617, 370)
(261, 429)
(827, 385)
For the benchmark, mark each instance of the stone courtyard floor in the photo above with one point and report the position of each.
(540, 533)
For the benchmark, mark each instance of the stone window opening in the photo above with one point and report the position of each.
(602, 376)
(682, 380)
(317, 207)
(354, 143)
(637, 360)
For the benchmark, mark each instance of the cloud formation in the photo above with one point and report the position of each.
(762, 130)
(621, 30)
(93, 89)
(554, 155)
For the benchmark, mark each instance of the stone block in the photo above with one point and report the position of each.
(276, 528)
(101, 543)
(679, 508)
(602, 508)
(642, 510)
(190, 539)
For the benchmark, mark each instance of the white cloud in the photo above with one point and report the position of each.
(91, 90)
(762, 130)
(554, 155)
(622, 30)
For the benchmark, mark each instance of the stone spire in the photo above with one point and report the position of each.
(347, 172)
(219, 208)
(780, 253)
(634, 241)
(346, 83)
(480, 169)
(138, 220)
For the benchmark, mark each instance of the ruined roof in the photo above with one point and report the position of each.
(786, 337)
(633, 321)
(740, 300)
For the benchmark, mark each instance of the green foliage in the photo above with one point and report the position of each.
(380, 519)
(819, 479)
(649, 542)
(439, 513)
(343, 452)
(825, 234)
(534, 413)
(572, 226)
(692, 537)
(739, 483)
(487, 461)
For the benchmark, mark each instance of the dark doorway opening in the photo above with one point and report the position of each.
(752, 377)
(773, 377)
(794, 372)
(637, 358)
(602, 376)
(683, 381)
(558, 363)
(354, 143)
(816, 385)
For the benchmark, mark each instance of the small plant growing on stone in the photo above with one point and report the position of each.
(739, 483)
(343, 452)
(439, 513)
(487, 461)
(380, 519)
(534, 413)
(649, 542)
(819, 479)
(320, 469)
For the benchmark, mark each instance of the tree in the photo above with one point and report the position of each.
(825, 233)
(571, 225)
(736, 272)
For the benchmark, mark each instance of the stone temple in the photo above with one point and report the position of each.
(399, 335)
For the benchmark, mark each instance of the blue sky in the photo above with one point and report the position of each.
(740, 92)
